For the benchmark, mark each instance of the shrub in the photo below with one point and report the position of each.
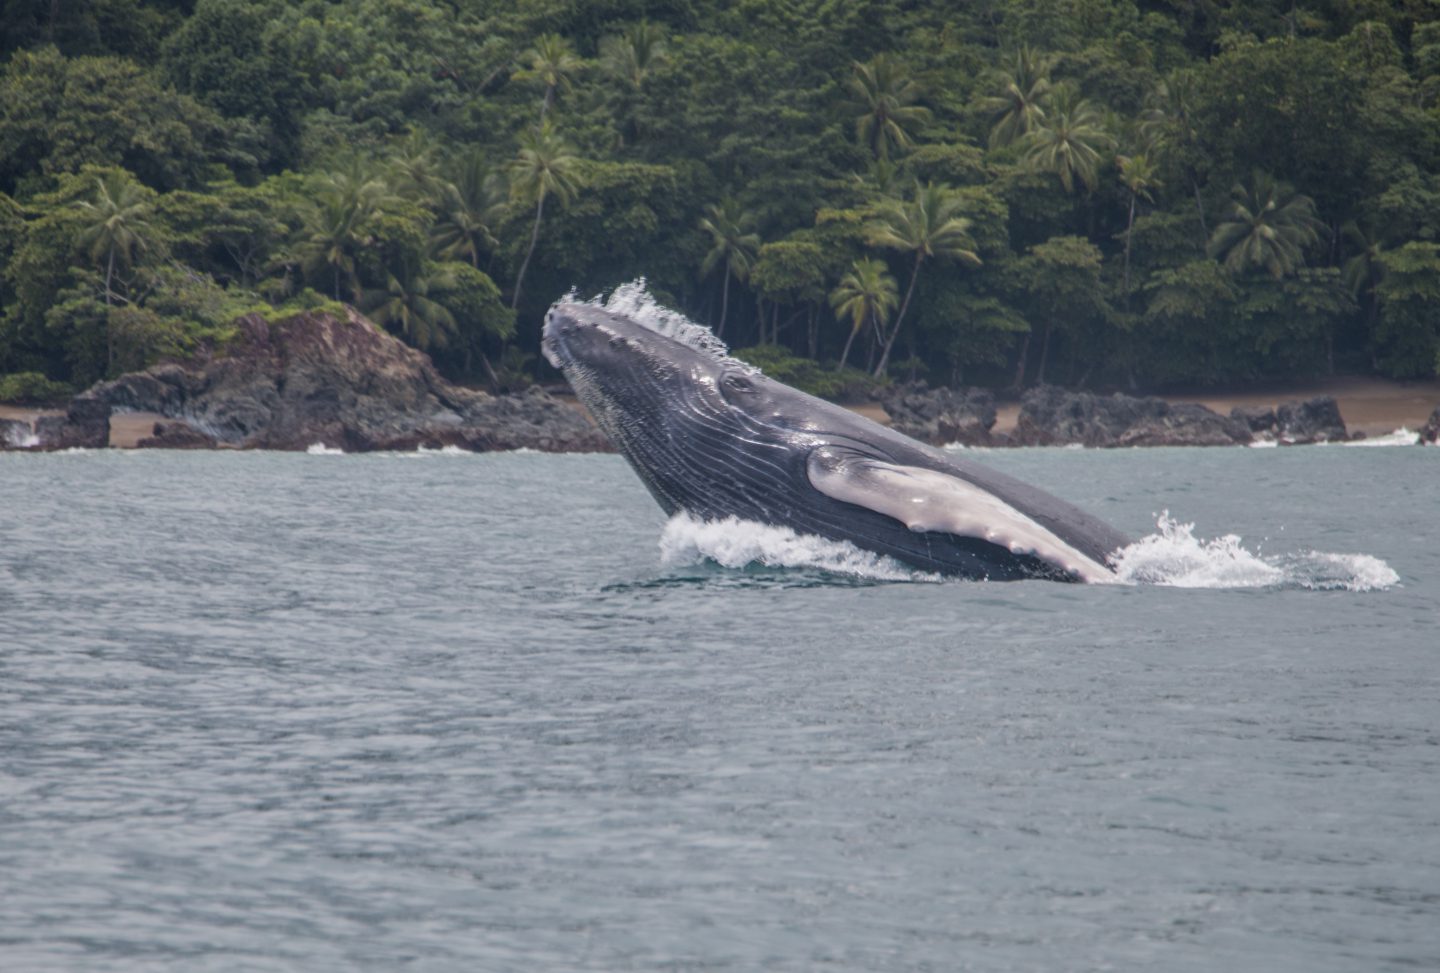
(32, 388)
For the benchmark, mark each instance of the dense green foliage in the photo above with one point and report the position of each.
(1110, 192)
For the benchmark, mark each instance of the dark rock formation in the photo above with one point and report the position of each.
(1315, 420)
(173, 434)
(85, 425)
(317, 378)
(940, 416)
(1051, 416)
(1431, 432)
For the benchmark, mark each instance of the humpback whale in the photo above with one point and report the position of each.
(713, 437)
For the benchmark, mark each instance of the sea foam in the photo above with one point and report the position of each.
(1171, 557)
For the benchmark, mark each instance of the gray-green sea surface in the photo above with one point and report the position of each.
(448, 711)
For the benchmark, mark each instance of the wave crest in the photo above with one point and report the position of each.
(1175, 557)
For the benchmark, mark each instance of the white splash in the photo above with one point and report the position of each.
(1400, 437)
(320, 449)
(1176, 558)
(450, 450)
(734, 543)
(635, 302)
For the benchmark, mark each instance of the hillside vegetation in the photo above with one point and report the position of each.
(1097, 192)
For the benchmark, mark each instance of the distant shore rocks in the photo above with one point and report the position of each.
(1053, 416)
(318, 378)
(1431, 431)
(1314, 420)
(941, 416)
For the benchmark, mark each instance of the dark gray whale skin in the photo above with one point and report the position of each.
(712, 437)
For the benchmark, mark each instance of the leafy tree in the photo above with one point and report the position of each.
(1406, 340)
(886, 97)
(929, 224)
(1268, 227)
(733, 247)
(58, 115)
(545, 166)
(866, 295)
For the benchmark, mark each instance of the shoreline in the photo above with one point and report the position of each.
(1372, 406)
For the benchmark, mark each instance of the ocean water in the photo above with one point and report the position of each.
(491, 712)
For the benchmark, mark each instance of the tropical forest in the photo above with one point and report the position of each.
(1104, 194)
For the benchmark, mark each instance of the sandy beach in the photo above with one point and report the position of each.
(1374, 406)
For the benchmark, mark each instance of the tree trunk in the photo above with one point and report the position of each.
(812, 332)
(534, 236)
(1024, 354)
(1128, 228)
(724, 304)
(1200, 208)
(1044, 355)
(895, 329)
(845, 355)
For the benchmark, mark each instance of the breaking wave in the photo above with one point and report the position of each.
(736, 543)
(1175, 557)
(1172, 557)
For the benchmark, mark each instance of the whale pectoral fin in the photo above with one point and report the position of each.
(931, 500)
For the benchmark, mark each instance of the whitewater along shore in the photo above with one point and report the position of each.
(342, 382)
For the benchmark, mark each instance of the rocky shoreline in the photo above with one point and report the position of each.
(1051, 416)
(311, 379)
(343, 383)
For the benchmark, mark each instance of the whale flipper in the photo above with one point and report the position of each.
(926, 500)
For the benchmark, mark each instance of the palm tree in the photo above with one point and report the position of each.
(1268, 226)
(545, 166)
(1022, 90)
(551, 64)
(1138, 174)
(886, 97)
(732, 244)
(405, 305)
(468, 208)
(116, 224)
(929, 225)
(115, 229)
(1363, 272)
(633, 54)
(414, 170)
(328, 235)
(1068, 143)
(866, 295)
(1168, 124)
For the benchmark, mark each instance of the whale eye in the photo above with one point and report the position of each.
(738, 383)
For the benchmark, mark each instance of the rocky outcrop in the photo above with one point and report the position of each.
(940, 416)
(85, 425)
(317, 378)
(1051, 416)
(1431, 432)
(174, 434)
(1315, 420)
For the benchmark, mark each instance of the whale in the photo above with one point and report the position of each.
(713, 437)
